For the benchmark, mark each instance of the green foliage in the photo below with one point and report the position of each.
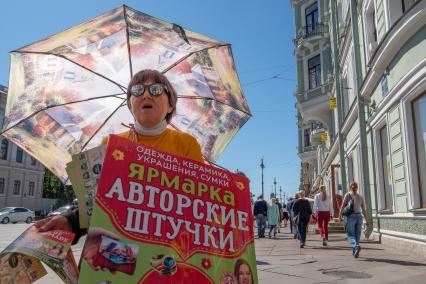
(54, 188)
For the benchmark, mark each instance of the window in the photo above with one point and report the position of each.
(20, 210)
(419, 118)
(406, 4)
(33, 161)
(373, 26)
(3, 149)
(386, 169)
(31, 188)
(311, 18)
(314, 70)
(19, 155)
(17, 187)
(2, 186)
(370, 31)
(306, 137)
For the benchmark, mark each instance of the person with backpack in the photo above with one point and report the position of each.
(352, 206)
(260, 210)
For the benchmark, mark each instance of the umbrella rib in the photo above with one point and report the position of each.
(102, 125)
(211, 99)
(78, 64)
(58, 105)
(128, 40)
(189, 54)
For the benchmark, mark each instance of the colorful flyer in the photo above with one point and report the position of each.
(84, 171)
(159, 218)
(16, 268)
(52, 247)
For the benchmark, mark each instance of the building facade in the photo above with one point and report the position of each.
(21, 176)
(378, 133)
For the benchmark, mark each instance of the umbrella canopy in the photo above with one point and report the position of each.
(68, 91)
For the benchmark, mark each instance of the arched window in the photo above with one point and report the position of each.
(3, 149)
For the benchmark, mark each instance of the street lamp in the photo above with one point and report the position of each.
(281, 197)
(275, 185)
(262, 166)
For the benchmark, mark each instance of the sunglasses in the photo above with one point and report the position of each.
(155, 89)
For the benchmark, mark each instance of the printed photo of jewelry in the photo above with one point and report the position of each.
(164, 264)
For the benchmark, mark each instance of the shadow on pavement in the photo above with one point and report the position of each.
(392, 261)
(340, 248)
(258, 262)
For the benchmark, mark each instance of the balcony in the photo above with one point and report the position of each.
(308, 35)
(308, 154)
(317, 136)
(314, 106)
(307, 149)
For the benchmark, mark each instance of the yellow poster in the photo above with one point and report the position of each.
(333, 103)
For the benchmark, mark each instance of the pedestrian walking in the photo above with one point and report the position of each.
(285, 215)
(302, 212)
(273, 216)
(352, 206)
(293, 227)
(280, 215)
(322, 208)
(260, 210)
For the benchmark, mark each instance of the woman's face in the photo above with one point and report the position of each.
(150, 110)
(244, 274)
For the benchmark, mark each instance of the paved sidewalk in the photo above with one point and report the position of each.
(281, 260)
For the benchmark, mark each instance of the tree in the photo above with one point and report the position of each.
(54, 188)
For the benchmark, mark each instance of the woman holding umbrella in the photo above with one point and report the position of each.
(152, 101)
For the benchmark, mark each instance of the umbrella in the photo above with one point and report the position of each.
(67, 92)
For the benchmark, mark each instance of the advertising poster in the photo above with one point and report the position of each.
(159, 218)
(84, 171)
(16, 268)
(52, 247)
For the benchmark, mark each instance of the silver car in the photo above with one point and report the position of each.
(61, 210)
(16, 214)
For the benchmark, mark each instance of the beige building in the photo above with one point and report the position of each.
(21, 176)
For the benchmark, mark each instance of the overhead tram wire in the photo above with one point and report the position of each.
(269, 78)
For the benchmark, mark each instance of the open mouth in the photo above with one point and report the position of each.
(147, 106)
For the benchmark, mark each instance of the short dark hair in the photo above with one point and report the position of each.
(156, 76)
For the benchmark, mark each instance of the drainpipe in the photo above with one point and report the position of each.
(339, 99)
(361, 117)
(333, 192)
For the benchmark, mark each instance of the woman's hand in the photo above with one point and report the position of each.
(93, 242)
(57, 222)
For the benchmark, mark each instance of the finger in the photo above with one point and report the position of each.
(109, 234)
(90, 262)
(40, 223)
(47, 226)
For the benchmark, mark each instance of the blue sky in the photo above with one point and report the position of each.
(261, 35)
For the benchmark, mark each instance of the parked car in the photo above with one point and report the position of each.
(61, 210)
(16, 214)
